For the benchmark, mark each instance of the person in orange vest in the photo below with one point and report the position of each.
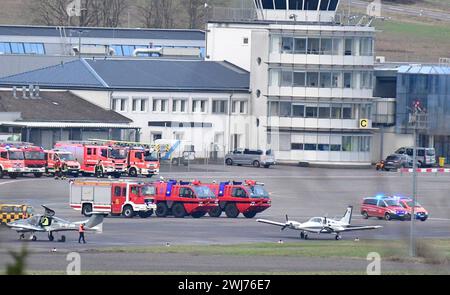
(81, 232)
(58, 168)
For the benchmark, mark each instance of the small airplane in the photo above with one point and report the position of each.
(50, 224)
(322, 225)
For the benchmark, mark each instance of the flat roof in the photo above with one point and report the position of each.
(110, 33)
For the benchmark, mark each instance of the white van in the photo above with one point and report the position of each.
(426, 157)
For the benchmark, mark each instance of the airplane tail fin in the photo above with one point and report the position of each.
(348, 215)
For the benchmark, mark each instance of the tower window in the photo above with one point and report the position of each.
(296, 4)
(267, 4)
(311, 4)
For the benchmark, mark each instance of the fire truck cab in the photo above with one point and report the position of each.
(181, 199)
(34, 159)
(248, 198)
(113, 197)
(142, 162)
(12, 162)
(112, 160)
(52, 156)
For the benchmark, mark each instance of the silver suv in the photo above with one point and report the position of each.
(256, 158)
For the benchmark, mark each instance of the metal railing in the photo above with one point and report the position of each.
(232, 14)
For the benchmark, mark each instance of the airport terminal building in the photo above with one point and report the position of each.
(311, 77)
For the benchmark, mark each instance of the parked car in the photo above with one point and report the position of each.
(426, 157)
(396, 161)
(256, 158)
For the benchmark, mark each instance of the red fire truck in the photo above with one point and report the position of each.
(113, 197)
(181, 199)
(52, 156)
(12, 162)
(112, 160)
(142, 161)
(248, 198)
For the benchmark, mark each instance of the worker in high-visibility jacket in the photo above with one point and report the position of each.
(81, 232)
(58, 173)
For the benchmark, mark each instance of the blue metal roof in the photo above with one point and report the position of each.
(118, 33)
(157, 75)
(424, 70)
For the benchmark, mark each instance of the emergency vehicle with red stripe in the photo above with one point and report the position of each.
(112, 159)
(52, 156)
(34, 157)
(248, 197)
(12, 162)
(180, 198)
(113, 197)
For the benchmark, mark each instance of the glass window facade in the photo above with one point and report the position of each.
(318, 111)
(22, 48)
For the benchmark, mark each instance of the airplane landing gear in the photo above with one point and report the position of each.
(338, 238)
(50, 237)
(63, 239)
(33, 238)
(22, 237)
(302, 235)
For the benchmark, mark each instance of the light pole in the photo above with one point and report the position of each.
(80, 33)
(415, 117)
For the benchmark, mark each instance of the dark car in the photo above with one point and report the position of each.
(396, 161)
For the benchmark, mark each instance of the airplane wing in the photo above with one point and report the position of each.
(271, 222)
(355, 228)
(27, 228)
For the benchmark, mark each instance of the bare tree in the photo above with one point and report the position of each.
(104, 13)
(195, 9)
(157, 13)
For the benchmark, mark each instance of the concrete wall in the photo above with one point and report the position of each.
(391, 142)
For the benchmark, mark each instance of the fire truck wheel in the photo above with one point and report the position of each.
(38, 175)
(231, 211)
(249, 214)
(146, 214)
(1, 173)
(162, 210)
(178, 210)
(128, 212)
(216, 212)
(256, 164)
(133, 172)
(198, 214)
(87, 208)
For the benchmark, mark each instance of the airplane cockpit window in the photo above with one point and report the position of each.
(316, 219)
(45, 221)
(35, 220)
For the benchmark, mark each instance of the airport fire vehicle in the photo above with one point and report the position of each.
(142, 158)
(12, 162)
(248, 198)
(113, 197)
(52, 157)
(108, 160)
(180, 199)
(34, 157)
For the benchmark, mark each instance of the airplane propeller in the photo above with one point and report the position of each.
(286, 224)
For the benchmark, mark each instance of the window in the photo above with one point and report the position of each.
(326, 46)
(243, 107)
(139, 105)
(286, 78)
(298, 111)
(313, 46)
(5, 48)
(325, 80)
(296, 4)
(348, 47)
(311, 4)
(364, 143)
(117, 50)
(346, 143)
(17, 48)
(287, 44)
(238, 192)
(312, 79)
(285, 142)
(335, 147)
(300, 45)
(348, 79)
(273, 108)
(365, 47)
(336, 112)
(299, 79)
(323, 147)
(219, 106)
(311, 112)
(199, 106)
(324, 112)
(285, 109)
(336, 46)
(117, 191)
(347, 112)
(324, 5)
(336, 80)
(119, 104)
(245, 40)
(160, 105)
(297, 146)
(366, 80)
(274, 77)
(186, 193)
(179, 105)
(310, 147)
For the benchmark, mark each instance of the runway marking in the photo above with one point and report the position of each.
(23, 180)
